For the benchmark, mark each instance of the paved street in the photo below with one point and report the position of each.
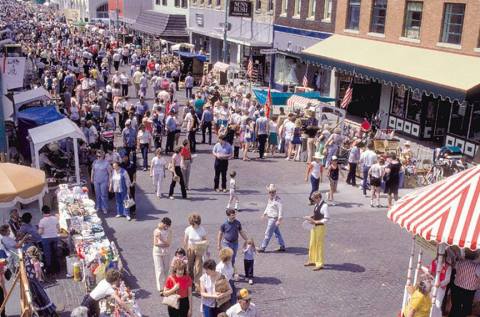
(366, 254)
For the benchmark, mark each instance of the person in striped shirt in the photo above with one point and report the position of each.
(467, 281)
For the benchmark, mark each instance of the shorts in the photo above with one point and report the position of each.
(375, 181)
(272, 139)
(333, 184)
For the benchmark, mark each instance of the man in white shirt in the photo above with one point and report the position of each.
(48, 228)
(274, 213)
(124, 83)
(367, 159)
(244, 307)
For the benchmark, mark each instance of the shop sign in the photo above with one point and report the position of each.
(268, 51)
(240, 8)
(199, 19)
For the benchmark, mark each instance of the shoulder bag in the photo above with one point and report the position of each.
(172, 300)
(222, 286)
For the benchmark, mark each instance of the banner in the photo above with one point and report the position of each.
(240, 8)
(13, 72)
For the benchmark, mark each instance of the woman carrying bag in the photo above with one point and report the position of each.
(177, 291)
(120, 184)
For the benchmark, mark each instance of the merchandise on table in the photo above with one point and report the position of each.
(108, 307)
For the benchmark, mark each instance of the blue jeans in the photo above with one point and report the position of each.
(272, 229)
(50, 253)
(233, 246)
(365, 185)
(119, 198)
(209, 311)
(144, 149)
(101, 196)
(315, 182)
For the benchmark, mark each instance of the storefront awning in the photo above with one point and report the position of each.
(161, 24)
(281, 98)
(443, 74)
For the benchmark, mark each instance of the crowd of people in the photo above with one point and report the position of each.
(90, 73)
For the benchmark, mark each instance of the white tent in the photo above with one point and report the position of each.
(55, 131)
(179, 46)
(221, 67)
(25, 97)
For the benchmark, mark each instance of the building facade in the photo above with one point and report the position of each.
(414, 65)
(245, 36)
(300, 24)
(86, 10)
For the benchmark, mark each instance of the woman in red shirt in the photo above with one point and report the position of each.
(180, 283)
(186, 162)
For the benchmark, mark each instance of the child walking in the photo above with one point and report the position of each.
(233, 194)
(249, 258)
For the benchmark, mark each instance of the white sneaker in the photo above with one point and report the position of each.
(171, 197)
(128, 218)
(118, 216)
(250, 282)
(287, 159)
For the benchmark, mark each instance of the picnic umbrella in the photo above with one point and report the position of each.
(20, 184)
(446, 212)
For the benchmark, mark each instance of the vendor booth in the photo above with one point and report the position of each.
(220, 71)
(55, 131)
(281, 98)
(38, 96)
(192, 63)
(443, 214)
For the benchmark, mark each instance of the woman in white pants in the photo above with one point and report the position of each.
(157, 171)
(162, 239)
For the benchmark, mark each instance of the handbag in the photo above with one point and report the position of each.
(222, 286)
(129, 202)
(172, 301)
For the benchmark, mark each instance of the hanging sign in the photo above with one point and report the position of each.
(240, 8)
(13, 71)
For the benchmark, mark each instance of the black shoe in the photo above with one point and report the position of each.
(281, 249)
(260, 250)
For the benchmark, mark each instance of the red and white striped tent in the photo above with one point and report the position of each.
(445, 212)
(296, 101)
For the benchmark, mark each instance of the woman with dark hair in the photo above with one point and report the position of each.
(145, 138)
(34, 238)
(195, 242)
(180, 283)
(210, 290)
(192, 127)
(177, 175)
(392, 178)
(162, 240)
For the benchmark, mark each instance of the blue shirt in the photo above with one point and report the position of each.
(224, 150)
(207, 116)
(171, 124)
(129, 137)
(141, 108)
(231, 230)
(101, 170)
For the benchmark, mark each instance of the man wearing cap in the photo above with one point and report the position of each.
(317, 233)
(274, 213)
(171, 127)
(261, 129)
(244, 307)
(129, 137)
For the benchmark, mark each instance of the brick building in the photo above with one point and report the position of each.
(415, 65)
(300, 24)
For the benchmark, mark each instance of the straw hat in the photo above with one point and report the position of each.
(244, 294)
(318, 156)
(271, 188)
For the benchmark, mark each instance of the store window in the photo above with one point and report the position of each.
(327, 10)
(459, 119)
(379, 14)
(398, 104)
(414, 106)
(297, 9)
(474, 133)
(353, 15)
(284, 7)
(413, 19)
(312, 4)
(452, 23)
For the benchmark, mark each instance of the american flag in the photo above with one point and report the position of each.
(250, 68)
(305, 80)
(347, 98)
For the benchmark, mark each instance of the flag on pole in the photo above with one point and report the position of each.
(268, 104)
(347, 98)
(305, 80)
(250, 68)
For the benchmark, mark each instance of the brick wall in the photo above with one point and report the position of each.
(431, 25)
(303, 21)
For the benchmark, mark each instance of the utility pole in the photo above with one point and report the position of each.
(3, 134)
(225, 29)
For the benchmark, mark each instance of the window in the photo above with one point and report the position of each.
(218, 3)
(353, 14)
(270, 5)
(414, 108)
(157, 2)
(176, 3)
(459, 119)
(452, 23)
(311, 8)
(327, 10)
(284, 7)
(164, 2)
(258, 5)
(184, 3)
(297, 9)
(379, 13)
(209, 2)
(413, 19)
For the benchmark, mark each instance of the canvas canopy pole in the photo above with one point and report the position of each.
(419, 265)
(436, 284)
(409, 273)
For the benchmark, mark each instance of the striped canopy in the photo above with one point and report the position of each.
(444, 212)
